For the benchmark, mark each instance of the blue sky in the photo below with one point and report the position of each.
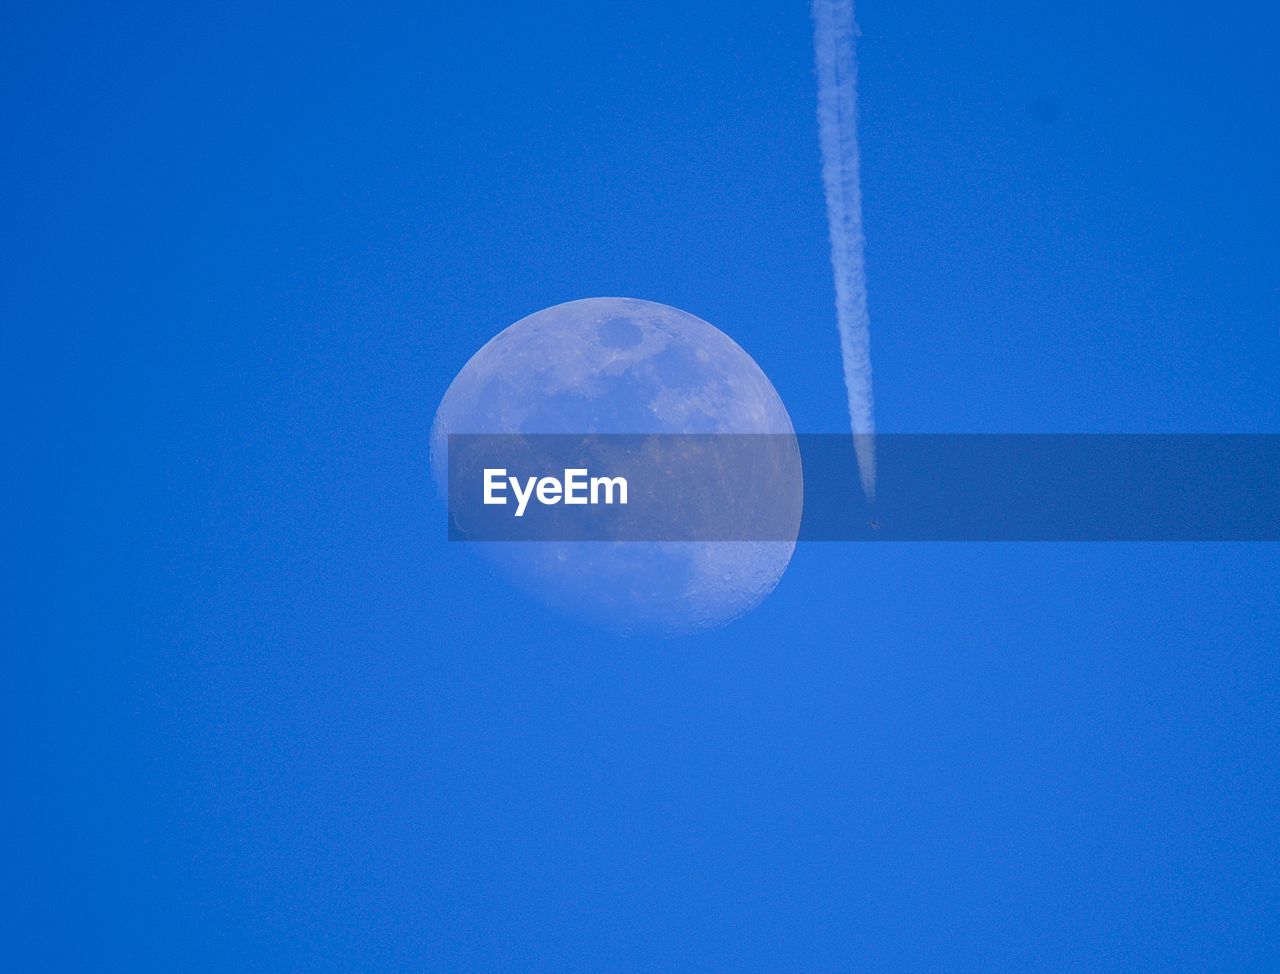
(263, 717)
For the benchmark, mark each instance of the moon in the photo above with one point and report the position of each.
(624, 365)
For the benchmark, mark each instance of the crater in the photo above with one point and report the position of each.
(620, 333)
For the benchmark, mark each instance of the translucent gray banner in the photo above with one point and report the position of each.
(1009, 487)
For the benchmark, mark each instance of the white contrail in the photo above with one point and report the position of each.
(833, 34)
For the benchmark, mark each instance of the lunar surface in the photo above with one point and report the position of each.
(621, 365)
